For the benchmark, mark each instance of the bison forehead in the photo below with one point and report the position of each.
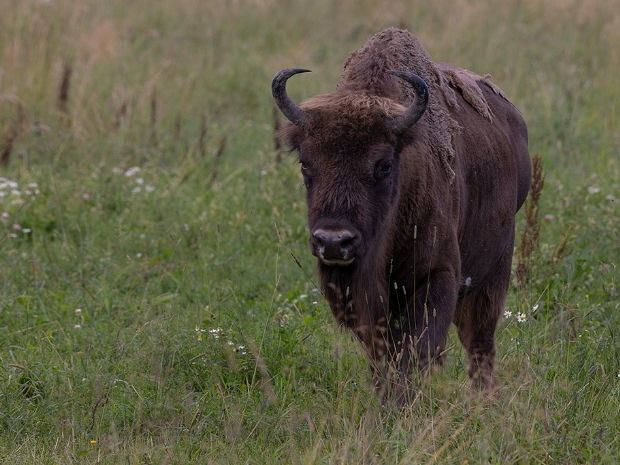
(342, 199)
(345, 116)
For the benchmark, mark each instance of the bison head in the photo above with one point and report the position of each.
(349, 144)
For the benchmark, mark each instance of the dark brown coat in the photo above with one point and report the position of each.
(414, 228)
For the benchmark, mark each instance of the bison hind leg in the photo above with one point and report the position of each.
(476, 320)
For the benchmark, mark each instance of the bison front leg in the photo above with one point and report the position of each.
(418, 330)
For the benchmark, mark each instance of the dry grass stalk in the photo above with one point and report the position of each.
(177, 128)
(216, 161)
(65, 85)
(120, 115)
(153, 117)
(13, 132)
(562, 247)
(265, 381)
(203, 135)
(5, 151)
(531, 232)
(21, 118)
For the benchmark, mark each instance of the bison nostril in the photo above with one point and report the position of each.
(347, 244)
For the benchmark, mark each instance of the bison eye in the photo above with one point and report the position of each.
(383, 171)
(304, 168)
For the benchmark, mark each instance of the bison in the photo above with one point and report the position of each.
(414, 171)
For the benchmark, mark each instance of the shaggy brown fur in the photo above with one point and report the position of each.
(428, 214)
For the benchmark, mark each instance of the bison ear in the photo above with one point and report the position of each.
(415, 111)
(291, 136)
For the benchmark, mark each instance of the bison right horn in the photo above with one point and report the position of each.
(415, 111)
(278, 89)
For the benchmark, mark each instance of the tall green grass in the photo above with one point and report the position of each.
(200, 334)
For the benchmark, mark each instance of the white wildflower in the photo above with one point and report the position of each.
(135, 190)
(149, 188)
(132, 171)
(217, 332)
(594, 190)
(507, 314)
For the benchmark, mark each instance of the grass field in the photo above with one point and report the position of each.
(151, 308)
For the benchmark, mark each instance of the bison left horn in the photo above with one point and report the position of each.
(278, 89)
(415, 111)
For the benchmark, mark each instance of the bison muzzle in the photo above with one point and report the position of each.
(414, 171)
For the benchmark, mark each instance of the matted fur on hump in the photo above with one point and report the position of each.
(396, 49)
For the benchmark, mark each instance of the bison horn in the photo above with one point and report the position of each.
(415, 111)
(278, 89)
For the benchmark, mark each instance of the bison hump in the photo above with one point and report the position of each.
(397, 49)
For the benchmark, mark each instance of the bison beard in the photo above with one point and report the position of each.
(411, 204)
(358, 299)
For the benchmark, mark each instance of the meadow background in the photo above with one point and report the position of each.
(152, 310)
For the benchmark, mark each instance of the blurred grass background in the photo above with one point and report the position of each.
(198, 337)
